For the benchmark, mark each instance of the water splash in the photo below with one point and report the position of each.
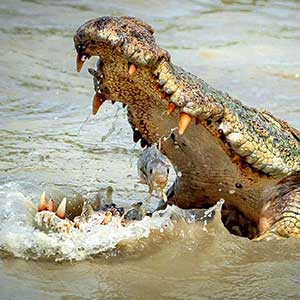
(19, 237)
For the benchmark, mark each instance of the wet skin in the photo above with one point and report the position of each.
(222, 148)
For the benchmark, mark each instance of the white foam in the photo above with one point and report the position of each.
(19, 237)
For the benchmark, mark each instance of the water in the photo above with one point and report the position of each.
(247, 48)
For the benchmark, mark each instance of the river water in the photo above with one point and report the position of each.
(247, 48)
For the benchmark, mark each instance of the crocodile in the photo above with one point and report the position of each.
(219, 147)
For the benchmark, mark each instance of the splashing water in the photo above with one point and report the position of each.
(19, 237)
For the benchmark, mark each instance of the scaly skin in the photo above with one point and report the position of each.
(229, 151)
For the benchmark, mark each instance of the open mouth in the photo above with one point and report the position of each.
(222, 148)
(128, 59)
(163, 101)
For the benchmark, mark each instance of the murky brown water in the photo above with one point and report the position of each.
(248, 48)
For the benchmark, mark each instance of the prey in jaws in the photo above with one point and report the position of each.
(50, 217)
(222, 148)
(153, 168)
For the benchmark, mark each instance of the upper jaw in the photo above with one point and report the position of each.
(132, 38)
(125, 44)
(80, 60)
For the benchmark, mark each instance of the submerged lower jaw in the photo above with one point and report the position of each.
(49, 219)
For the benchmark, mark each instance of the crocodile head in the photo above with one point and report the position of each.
(220, 148)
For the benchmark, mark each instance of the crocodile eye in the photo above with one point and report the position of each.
(168, 170)
(151, 170)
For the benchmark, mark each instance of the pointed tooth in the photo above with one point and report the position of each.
(93, 72)
(43, 202)
(107, 218)
(50, 205)
(98, 100)
(184, 122)
(171, 108)
(61, 210)
(80, 61)
(131, 69)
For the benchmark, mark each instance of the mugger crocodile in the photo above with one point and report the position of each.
(222, 148)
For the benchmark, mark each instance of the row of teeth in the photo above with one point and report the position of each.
(99, 98)
(61, 210)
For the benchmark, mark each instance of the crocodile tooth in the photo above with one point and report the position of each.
(80, 61)
(61, 210)
(171, 108)
(184, 121)
(132, 68)
(107, 218)
(43, 203)
(50, 205)
(98, 100)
